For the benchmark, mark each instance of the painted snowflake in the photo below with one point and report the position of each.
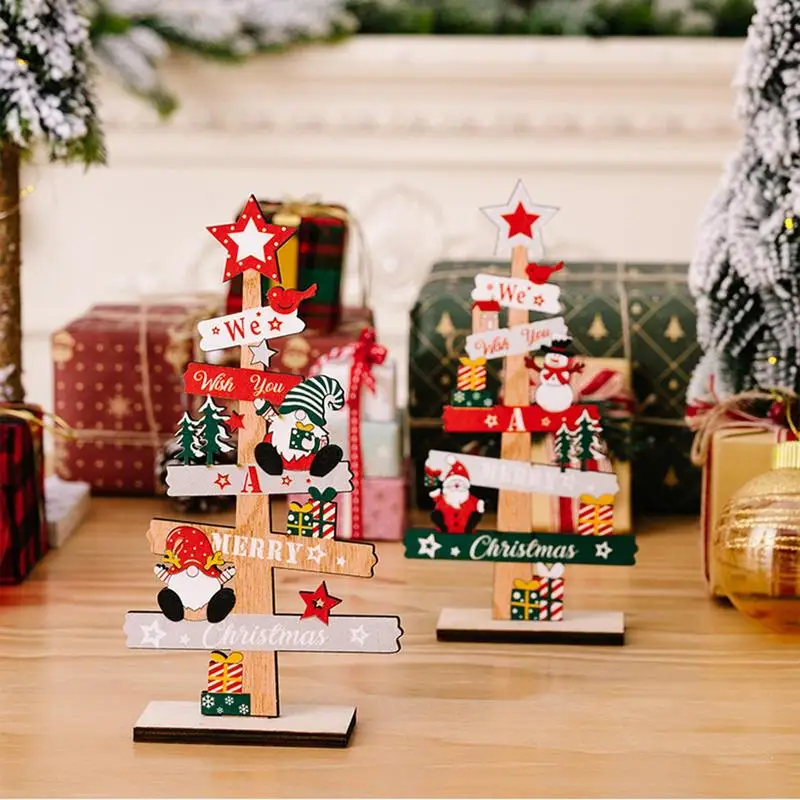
(208, 701)
(220, 710)
(244, 710)
(229, 701)
(458, 397)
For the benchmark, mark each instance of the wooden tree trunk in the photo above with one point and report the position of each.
(10, 305)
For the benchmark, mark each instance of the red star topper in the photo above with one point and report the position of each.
(236, 421)
(520, 221)
(252, 242)
(319, 603)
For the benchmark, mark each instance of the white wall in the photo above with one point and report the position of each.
(414, 135)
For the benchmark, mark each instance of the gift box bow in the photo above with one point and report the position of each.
(602, 500)
(221, 658)
(326, 495)
(552, 571)
(527, 586)
(301, 508)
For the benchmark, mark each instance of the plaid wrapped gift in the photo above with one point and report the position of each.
(219, 704)
(300, 519)
(225, 672)
(323, 512)
(23, 524)
(640, 312)
(315, 255)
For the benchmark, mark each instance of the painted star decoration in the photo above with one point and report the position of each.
(152, 634)
(316, 553)
(262, 353)
(428, 546)
(359, 635)
(252, 242)
(319, 603)
(222, 480)
(602, 550)
(519, 222)
(491, 421)
(236, 421)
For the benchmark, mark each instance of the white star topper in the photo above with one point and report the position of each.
(251, 241)
(519, 222)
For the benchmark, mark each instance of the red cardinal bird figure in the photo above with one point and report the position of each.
(540, 273)
(285, 301)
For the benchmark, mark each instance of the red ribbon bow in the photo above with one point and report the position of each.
(365, 354)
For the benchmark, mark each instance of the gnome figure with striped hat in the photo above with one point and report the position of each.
(455, 508)
(296, 438)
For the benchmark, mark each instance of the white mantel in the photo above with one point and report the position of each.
(414, 134)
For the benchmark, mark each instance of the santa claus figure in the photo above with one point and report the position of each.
(195, 576)
(553, 392)
(296, 437)
(455, 508)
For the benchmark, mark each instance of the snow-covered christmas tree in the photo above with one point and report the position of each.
(45, 98)
(745, 274)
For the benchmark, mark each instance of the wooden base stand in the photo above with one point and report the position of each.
(297, 726)
(578, 627)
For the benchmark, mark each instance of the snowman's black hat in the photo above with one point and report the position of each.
(560, 346)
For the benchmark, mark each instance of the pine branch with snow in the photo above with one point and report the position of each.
(133, 37)
(46, 91)
(745, 274)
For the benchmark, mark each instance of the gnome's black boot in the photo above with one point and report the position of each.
(438, 520)
(220, 605)
(326, 460)
(472, 522)
(171, 605)
(268, 458)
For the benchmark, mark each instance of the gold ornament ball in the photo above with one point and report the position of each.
(757, 544)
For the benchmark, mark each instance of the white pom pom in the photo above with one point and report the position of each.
(451, 460)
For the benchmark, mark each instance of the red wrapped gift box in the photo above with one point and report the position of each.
(23, 525)
(118, 385)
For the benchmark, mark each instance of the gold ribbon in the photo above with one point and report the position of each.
(602, 500)
(221, 658)
(302, 509)
(58, 427)
(528, 586)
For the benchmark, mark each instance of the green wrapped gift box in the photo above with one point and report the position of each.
(222, 704)
(642, 312)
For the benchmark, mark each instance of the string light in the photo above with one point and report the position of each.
(27, 190)
(22, 62)
(772, 360)
(789, 223)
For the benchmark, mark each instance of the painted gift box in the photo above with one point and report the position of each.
(384, 510)
(118, 385)
(541, 598)
(317, 517)
(642, 313)
(603, 380)
(315, 255)
(225, 672)
(381, 444)
(220, 704)
(23, 524)
(734, 456)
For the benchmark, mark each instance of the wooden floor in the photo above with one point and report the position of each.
(698, 703)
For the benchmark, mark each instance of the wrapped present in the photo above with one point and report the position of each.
(300, 434)
(383, 510)
(118, 385)
(67, 505)
(299, 519)
(382, 455)
(218, 704)
(361, 359)
(378, 395)
(596, 515)
(525, 599)
(315, 255)
(225, 672)
(472, 398)
(641, 313)
(23, 524)
(471, 374)
(604, 381)
(324, 512)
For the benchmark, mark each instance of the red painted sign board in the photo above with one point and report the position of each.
(513, 419)
(236, 383)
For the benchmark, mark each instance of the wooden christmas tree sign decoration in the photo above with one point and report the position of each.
(528, 603)
(218, 583)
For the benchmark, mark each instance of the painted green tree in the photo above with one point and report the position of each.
(188, 440)
(587, 439)
(214, 434)
(563, 447)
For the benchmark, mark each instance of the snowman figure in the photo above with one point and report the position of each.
(194, 576)
(553, 392)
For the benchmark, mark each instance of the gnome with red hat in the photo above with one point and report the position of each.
(455, 508)
(195, 576)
